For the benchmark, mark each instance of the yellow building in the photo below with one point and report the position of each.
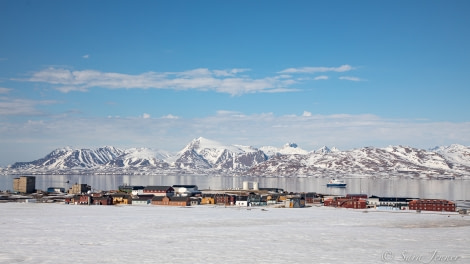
(207, 200)
(122, 198)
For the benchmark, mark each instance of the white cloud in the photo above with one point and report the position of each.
(306, 113)
(86, 56)
(284, 76)
(342, 68)
(12, 106)
(321, 77)
(170, 116)
(146, 116)
(222, 81)
(350, 78)
(231, 72)
(4, 90)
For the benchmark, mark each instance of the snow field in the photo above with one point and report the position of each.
(58, 233)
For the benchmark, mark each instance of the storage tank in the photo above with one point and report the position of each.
(245, 186)
(255, 186)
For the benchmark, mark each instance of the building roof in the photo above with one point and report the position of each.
(143, 197)
(101, 198)
(242, 198)
(185, 186)
(123, 195)
(432, 201)
(159, 188)
(392, 199)
(182, 199)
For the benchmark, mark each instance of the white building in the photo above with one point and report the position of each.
(241, 203)
(186, 190)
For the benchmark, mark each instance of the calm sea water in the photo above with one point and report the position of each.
(403, 187)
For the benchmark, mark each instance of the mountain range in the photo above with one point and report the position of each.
(204, 156)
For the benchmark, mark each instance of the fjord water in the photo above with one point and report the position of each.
(395, 186)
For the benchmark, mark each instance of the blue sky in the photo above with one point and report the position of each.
(159, 73)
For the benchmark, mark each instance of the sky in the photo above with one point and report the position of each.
(158, 74)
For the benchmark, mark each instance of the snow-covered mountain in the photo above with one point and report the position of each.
(202, 153)
(325, 150)
(138, 157)
(204, 156)
(67, 158)
(373, 162)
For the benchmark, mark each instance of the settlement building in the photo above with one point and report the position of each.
(432, 205)
(242, 201)
(134, 190)
(142, 199)
(186, 190)
(159, 190)
(102, 200)
(346, 202)
(79, 188)
(389, 202)
(55, 190)
(121, 198)
(172, 201)
(295, 202)
(24, 184)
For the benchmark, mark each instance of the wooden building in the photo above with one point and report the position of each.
(102, 200)
(142, 199)
(171, 201)
(83, 199)
(121, 198)
(353, 203)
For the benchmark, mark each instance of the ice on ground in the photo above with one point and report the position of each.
(58, 233)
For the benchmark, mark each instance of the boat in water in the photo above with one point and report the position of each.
(336, 183)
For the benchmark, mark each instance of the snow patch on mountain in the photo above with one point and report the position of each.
(457, 154)
(287, 149)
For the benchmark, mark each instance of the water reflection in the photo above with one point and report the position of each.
(440, 189)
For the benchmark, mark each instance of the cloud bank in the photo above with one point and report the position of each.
(235, 81)
(223, 81)
(13, 107)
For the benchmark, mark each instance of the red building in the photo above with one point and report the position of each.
(103, 200)
(171, 201)
(432, 205)
(81, 199)
(226, 199)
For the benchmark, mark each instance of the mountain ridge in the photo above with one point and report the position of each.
(204, 156)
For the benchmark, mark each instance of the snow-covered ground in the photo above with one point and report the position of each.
(58, 233)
